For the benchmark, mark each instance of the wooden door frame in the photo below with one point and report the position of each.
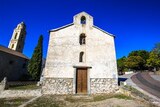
(88, 78)
(76, 89)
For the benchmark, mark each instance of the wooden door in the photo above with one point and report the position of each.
(81, 81)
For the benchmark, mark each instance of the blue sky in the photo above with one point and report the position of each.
(135, 23)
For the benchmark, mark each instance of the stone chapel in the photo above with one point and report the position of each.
(81, 59)
(13, 63)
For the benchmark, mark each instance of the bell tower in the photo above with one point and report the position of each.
(18, 38)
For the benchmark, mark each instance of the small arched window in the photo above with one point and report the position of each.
(83, 20)
(15, 37)
(82, 39)
(11, 62)
(12, 46)
(19, 26)
(81, 56)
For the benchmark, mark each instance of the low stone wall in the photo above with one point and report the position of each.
(103, 85)
(20, 93)
(20, 83)
(3, 84)
(57, 86)
(129, 72)
(157, 72)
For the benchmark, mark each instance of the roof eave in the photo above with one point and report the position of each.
(104, 31)
(53, 30)
(12, 52)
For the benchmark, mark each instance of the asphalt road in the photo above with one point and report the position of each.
(147, 83)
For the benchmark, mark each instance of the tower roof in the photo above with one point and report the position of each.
(22, 24)
(83, 13)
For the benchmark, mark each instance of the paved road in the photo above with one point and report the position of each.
(147, 83)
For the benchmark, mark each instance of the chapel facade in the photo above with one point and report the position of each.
(81, 59)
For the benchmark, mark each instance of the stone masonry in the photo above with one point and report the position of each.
(103, 85)
(58, 86)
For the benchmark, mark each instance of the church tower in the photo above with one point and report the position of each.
(18, 38)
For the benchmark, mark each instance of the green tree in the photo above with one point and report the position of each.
(143, 54)
(154, 57)
(35, 63)
(134, 62)
(154, 60)
(157, 48)
(121, 64)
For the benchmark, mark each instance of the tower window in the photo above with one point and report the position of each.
(19, 26)
(15, 37)
(81, 55)
(11, 62)
(83, 20)
(12, 46)
(82, 39)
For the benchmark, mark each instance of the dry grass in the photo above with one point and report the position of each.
(72, 100)
(102, 100)
(48, 101)
(12, 102)
(24, 87)
(118, 96)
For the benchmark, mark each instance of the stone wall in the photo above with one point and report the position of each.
(103, 85)
(58, 86)
(3, 84)
(12, 66)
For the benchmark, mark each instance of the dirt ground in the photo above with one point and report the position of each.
(13, 102)
(89, 101)
(115, 102)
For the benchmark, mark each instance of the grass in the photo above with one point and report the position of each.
(63, 101)
(135, 92)
(94, 98)
(118, 106)
(47, 101)
(121, 96)
(118, 96)
(74, 100)
(24, 87)
(12, 102)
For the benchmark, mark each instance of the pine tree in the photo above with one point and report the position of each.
(35, 63)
